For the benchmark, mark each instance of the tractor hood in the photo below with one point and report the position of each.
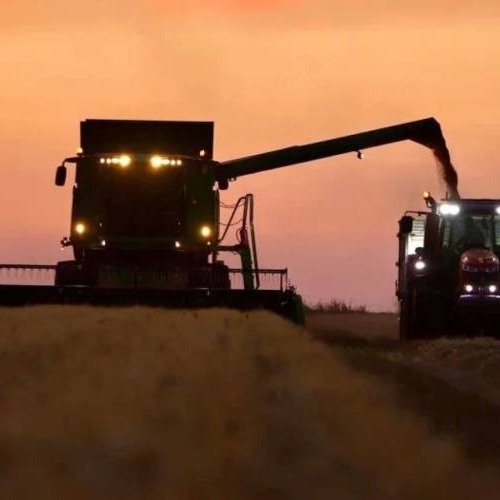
(479, 260)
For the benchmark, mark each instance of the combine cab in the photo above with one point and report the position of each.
(145, 222)
(448, 268)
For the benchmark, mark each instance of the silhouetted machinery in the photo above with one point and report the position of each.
(145, 224)
(448, 267)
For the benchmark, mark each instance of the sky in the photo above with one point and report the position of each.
(270, 74)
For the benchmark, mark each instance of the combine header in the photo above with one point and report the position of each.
(145, 222)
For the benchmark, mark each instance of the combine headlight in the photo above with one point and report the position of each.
(449, 209)
(159, 161)
(420, 265)
(206, 231)
(492, 288)
(469, 288)
(80, 228)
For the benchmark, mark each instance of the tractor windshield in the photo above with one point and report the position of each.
(139, 201)
(471, 231)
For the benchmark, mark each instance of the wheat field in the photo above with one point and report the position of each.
(152, 404)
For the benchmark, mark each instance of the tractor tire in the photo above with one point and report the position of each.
(423, 315)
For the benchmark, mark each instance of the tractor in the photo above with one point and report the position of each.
(448, 268)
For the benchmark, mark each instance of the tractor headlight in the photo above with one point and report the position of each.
(206, 231)
(449, 209)
(492, 288)
(469, 288)
(420, 265)
(80, 228)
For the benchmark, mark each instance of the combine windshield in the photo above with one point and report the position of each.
(139, 201)
(471, 231)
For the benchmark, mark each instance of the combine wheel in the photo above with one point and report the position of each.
(72, 273)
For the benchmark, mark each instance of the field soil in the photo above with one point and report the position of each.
(151, 404)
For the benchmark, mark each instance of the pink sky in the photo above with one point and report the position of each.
(270, 74)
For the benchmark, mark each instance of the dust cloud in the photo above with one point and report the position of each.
(145, 403)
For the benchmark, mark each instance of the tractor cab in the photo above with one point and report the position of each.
(457, 243)
(470, 239)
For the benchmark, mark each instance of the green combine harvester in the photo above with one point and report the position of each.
(145, 221)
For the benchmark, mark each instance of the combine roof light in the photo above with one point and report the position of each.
(177, 244)
(156, 161)
(202, 153)
(449, 209)
(159, 161)
(124, 161)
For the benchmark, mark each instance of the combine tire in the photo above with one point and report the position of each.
(72, 273)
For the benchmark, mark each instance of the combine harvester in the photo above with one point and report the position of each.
(448, 268)
(145, 221)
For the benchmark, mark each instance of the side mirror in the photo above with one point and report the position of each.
(61, 175)
(223, 183)
(406, 224)
(419, 251)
